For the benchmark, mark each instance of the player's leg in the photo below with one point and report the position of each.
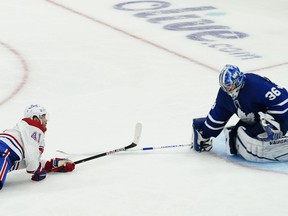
(5, 165)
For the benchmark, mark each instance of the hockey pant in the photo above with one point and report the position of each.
(256, 150)
(8, 158)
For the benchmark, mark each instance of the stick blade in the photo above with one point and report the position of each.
(137, 133)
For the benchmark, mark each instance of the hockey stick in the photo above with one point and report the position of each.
(137, 149)
(161, 147)
(137, 134)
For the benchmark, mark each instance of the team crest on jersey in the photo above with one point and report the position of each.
(249, 118)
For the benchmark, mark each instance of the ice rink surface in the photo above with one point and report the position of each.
(99, 67)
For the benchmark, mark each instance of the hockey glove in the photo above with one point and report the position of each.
(59, 165)
(199, 143)
(39, 174)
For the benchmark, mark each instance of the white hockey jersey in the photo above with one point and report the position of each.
(26, 139)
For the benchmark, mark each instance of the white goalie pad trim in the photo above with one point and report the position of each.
(261, 151)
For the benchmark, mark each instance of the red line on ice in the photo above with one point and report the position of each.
(25, 71)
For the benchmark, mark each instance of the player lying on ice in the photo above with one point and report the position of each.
(22, 147)
(262, 107)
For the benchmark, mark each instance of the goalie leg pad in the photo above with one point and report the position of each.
(257, 150)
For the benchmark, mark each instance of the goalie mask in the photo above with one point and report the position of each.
(231, 80)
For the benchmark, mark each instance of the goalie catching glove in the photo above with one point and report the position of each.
(270, 126)
(59, 165)
(199, 143)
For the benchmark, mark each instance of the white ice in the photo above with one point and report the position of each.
(99, 71)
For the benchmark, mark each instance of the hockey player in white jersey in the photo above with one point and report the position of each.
(22, 147)
(262, 107)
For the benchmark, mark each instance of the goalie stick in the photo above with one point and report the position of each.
(137, 149)
(161, 147)
(137, 135)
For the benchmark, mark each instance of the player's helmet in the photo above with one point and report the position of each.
(231, 80)
(34, 110)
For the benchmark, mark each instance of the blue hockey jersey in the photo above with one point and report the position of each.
(257, 94)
